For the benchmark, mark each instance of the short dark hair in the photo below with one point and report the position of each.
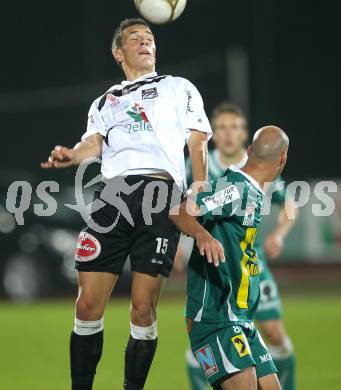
(227, 108)
(117, 38)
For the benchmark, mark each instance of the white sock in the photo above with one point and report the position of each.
(87, 328)
(144, 333)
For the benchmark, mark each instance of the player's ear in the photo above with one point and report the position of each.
(283, 160)
(249, 150)
(118, 55)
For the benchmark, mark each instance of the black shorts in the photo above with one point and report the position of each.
(133, 222)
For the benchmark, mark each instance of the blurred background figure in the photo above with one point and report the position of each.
(277, 63)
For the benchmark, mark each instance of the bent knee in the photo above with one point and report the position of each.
(142, 314)
(88, 308)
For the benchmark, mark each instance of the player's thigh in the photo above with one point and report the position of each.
(145, 293)
(269, 382)
(264, 363)
(245, 379)
(94, 290)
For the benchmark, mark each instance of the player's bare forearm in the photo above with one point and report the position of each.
(274, 242)
(63, 157)
(286, 218)
(197, 147)
(186, 222)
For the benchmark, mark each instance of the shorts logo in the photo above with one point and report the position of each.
(241, 345)
(150, 93)
(155, 261)
(88, 247)
(206, 360)
(265, 358)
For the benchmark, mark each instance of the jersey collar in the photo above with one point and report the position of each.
(250, 178)
(145, 76)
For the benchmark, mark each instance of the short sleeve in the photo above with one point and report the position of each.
(278, 191)
(95, 122)
(195, 116)
(221, 200)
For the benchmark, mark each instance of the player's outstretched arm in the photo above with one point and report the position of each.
(63, 157)
(274, 242)
(183, 217)
(197, 147)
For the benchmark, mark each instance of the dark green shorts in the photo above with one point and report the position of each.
(225, 350)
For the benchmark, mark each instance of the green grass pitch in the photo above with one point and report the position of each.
(34, 344)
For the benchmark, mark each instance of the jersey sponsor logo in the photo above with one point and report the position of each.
(268, 291)
(206, 360)
(252, 267)
(221, 198)
(249, 217)
(265, 358)
(150, 93)
(241, 345)
(141, 121)
(88, 247)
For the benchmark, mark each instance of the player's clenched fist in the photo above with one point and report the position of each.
(209, 247)
(60, 157)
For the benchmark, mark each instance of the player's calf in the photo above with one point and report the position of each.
(86, 346)
(86, 342)
(142, 342)
(139, 355)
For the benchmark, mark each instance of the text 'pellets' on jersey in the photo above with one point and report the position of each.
(231, 213)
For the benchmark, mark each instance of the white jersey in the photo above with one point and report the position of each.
(145, 124)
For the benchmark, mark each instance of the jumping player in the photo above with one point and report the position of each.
(230, 134)
(222, 300)
(139, 127)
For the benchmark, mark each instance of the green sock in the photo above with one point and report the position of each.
(196, 377)
(287, 372)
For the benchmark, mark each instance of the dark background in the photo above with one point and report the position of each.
(293, 49)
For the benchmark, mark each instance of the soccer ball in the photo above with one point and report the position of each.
(160, 11)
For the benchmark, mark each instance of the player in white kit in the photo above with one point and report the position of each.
(140, 128)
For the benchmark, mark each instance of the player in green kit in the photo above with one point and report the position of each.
(222, 298)
(230, 135)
